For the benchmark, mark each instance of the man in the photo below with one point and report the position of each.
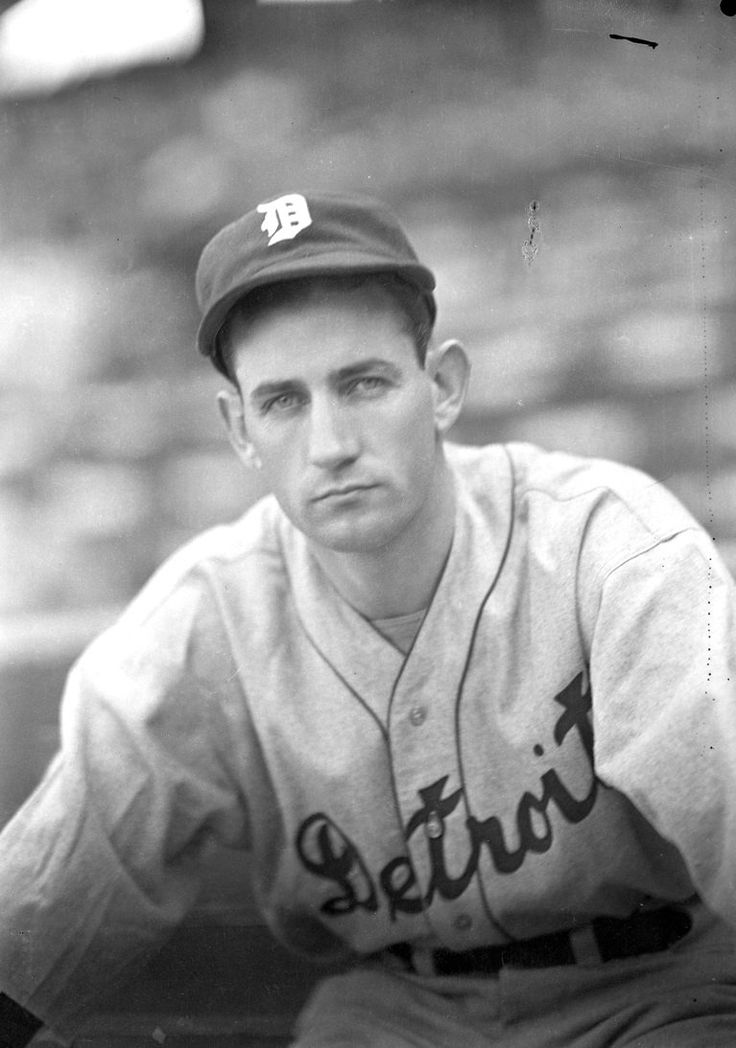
(472, 710)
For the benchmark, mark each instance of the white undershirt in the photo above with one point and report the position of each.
(401, 629)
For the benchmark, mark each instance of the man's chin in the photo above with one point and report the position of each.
(358, 536)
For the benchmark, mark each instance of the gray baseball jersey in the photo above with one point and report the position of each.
(559, 742)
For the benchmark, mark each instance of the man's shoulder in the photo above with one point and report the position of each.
(181, 619)
(600, 484)
(562, 475)
(578, 486)
(252, 535)
(239, 554)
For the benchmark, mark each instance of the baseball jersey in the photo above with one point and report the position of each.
(558, 743)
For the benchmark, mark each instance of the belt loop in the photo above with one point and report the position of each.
(585, 946)
(422, 961)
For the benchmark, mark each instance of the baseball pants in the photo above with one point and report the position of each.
(684, 997)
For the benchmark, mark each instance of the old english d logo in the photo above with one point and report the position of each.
(285, 217)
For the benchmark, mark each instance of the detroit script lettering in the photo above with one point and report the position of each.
(328, 853)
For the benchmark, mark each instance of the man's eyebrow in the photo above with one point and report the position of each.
(287, 385)
(269, 389)
(373, 364)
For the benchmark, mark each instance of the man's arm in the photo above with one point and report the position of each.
(663, 674)
(105, 858)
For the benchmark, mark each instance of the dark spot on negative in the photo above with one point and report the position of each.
(634, 40)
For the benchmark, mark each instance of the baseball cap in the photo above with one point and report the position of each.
(296, 235)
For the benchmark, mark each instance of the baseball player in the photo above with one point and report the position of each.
(471, 710)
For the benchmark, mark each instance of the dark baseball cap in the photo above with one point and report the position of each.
(296, 235)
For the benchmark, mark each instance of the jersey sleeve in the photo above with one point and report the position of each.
(663, 677)
(105, 858)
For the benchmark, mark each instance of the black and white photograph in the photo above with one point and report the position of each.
(367, 524)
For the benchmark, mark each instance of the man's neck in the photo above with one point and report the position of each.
(400, 578)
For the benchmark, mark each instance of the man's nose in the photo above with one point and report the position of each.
(332, 438)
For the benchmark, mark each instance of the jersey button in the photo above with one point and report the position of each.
(418, 715)
(433, 826)
(463, 922)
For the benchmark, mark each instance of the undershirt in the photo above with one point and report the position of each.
(401, 629)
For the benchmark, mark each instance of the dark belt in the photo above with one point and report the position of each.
(651, 931)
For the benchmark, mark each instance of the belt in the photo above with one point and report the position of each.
(604, 939)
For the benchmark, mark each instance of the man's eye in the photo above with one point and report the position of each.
(367, 384)
(283, 402)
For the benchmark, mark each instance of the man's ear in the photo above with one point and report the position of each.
(449, 369)
(231, 408)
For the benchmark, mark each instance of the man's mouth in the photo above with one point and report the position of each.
(343, 491)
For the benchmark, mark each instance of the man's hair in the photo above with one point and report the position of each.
(409, 306)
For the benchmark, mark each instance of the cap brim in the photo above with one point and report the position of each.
(213, 320)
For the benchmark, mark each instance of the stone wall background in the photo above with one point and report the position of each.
(616, 339)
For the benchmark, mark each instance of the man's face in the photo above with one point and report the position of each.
(339, 415)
